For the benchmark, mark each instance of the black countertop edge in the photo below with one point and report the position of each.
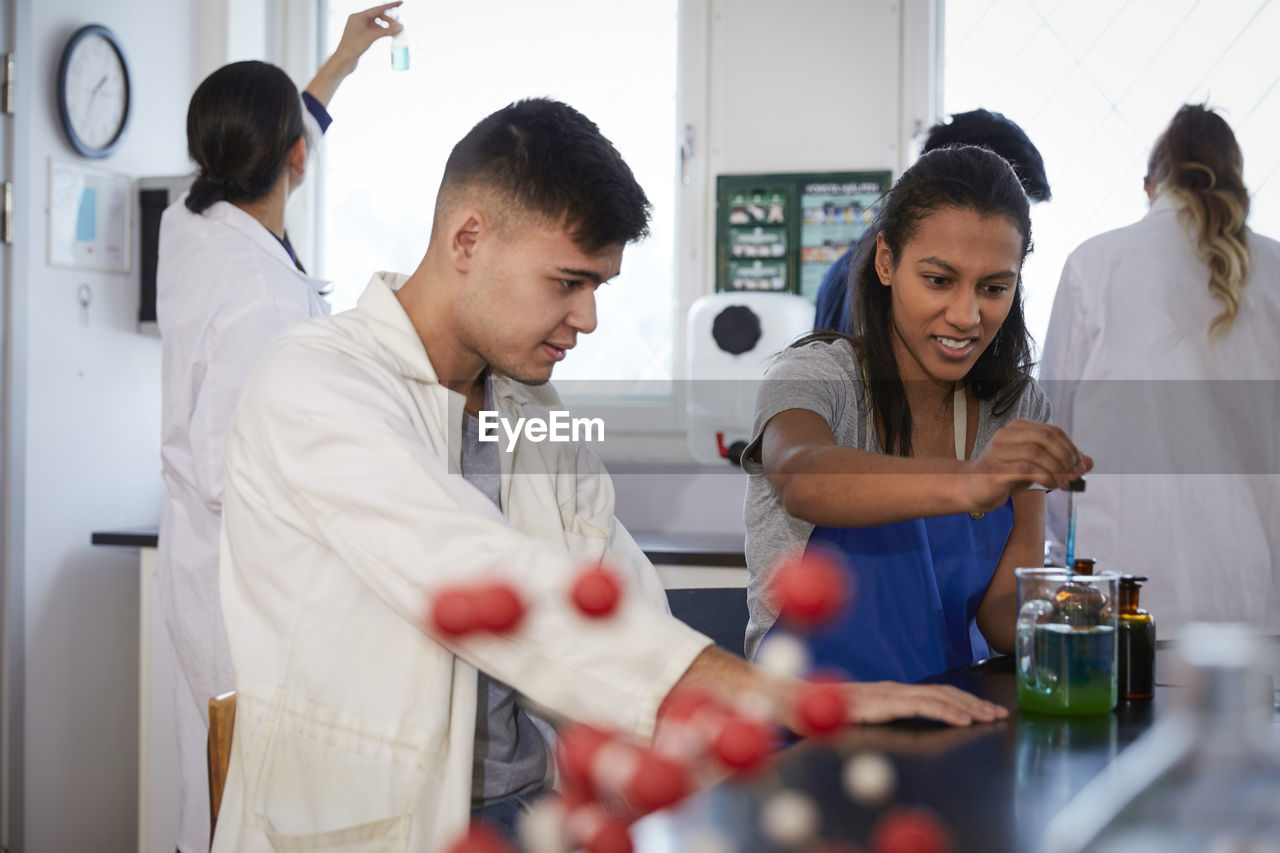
(692, 549)
(664, 549)
(140, 537)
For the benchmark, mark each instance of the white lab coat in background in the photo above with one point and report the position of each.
(1185, 486)
(225, 288)
(344, 510)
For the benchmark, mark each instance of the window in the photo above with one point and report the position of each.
(1093, 82)
(393, 131)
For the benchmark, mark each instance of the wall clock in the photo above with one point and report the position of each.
(93, 91)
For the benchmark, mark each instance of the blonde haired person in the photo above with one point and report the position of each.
(1162, 357)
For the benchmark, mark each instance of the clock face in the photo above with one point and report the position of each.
(94, 90)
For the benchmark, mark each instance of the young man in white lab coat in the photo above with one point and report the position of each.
(354, 495)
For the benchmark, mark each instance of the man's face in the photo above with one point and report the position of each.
(529, 294)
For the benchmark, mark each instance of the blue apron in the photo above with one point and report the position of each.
(916, 588)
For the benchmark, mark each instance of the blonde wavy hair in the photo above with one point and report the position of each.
(1198, 161)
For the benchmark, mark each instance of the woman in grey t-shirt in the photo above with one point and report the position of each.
(909, 448)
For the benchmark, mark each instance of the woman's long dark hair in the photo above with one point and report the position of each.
(964, 178)
(241, 123)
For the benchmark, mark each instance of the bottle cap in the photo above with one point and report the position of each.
(1132, 580)
(1076, 485)
(1083, 565)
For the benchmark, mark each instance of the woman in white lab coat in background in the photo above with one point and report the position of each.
(1159, 334)
(227, 284)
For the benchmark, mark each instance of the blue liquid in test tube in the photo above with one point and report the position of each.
(1076, 486)
(1071, 530)
(399, 48)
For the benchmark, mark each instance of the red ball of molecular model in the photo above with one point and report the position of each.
(459, 610)
(810, 589)
(596, 591)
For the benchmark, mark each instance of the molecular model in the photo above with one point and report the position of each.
(609, 780)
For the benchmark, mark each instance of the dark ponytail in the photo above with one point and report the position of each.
(241, 123)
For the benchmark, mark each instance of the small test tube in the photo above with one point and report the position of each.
(399, 48)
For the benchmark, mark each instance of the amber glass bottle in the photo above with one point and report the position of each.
(1079, 603)
(1136, 649)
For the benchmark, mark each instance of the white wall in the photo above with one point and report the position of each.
(89, 398)
(805, 85)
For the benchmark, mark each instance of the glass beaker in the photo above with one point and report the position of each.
(1066, 641)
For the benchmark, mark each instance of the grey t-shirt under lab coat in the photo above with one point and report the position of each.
(510, 753)
(824, 378)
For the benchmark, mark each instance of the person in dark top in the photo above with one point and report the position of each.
(976, 127)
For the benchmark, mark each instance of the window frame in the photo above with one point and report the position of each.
(296, 33)
(649, 418)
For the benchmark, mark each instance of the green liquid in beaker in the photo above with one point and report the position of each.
(1074, 670)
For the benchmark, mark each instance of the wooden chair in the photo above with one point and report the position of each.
(222, 721)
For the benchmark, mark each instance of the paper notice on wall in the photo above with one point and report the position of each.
(89, 217)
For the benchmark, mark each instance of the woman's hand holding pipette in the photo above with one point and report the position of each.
(1021, 454)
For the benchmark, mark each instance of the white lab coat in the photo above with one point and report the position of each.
(1185, 486)
(225, 288)
(344, 512)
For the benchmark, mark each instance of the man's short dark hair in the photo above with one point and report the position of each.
(544, 157)
(1001, 135)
